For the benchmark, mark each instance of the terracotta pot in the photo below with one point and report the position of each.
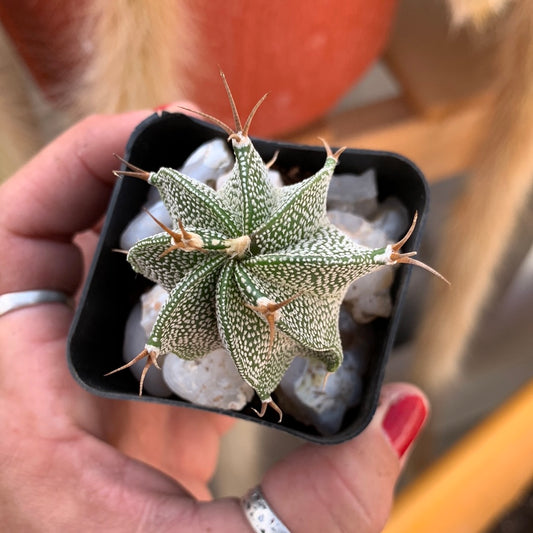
(307, 55)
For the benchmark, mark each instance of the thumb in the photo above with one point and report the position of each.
(350, 486)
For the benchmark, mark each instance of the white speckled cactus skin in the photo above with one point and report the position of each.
(252, 268)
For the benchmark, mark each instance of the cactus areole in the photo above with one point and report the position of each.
(255, 269)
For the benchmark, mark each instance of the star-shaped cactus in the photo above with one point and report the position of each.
(252, 268)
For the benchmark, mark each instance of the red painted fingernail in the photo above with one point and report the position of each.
(403, 421)
(161, 107)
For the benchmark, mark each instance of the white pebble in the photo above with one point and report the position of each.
(354, 194)
(392, 218)
(143, 225)
(211, 381)
(152, 301)
(208, 162)
(301, 392)
(369, 297)
(358, 229)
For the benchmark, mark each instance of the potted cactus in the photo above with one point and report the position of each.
(256, 270)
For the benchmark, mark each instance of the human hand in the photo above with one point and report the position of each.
(74, 462)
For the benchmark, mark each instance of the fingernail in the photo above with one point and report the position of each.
(162, 107)
(403, 421)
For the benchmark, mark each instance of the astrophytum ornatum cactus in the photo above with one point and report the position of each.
(255, 269)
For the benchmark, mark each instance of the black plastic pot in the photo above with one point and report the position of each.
(112, 288)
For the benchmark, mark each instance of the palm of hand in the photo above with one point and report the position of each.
(63, 433)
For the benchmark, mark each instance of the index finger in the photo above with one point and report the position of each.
(63, 190)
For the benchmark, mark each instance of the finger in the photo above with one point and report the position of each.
(60, 192)
(65, 188)
(349, 487)
(346, 487)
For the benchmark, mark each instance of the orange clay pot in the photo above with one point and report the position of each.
(305, 54)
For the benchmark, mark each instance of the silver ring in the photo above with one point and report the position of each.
(16, 300)
(259, 514)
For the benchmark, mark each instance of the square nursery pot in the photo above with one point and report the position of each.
(112, 288)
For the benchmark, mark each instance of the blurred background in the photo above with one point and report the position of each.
(448, 84)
